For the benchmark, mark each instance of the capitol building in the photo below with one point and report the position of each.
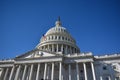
(57, 57)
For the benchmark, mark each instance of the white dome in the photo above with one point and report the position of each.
(57, 35)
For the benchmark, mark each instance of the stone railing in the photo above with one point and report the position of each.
(108, 55)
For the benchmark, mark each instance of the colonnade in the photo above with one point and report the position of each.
(26, 72)
(60, 48)
(85, 71)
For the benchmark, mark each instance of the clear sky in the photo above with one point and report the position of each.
(95, 24)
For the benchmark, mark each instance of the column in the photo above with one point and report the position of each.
(73, 50)
(24, 73)
(38, 71)
(31, 71)
(2, 73)
(77, 71)
(57, 48)
(69, 71)
(66, 50)
(70, 50)
(52, 47)
(93, 71)
(48, 47)
(101, 78)
(44, 47)
(11, 74)
(6, 73)
(48, 72)
(45, 71)
(109, 77)
(17, 73)
(62, 47)
(52, 73)
(85, 71)
(60, 71)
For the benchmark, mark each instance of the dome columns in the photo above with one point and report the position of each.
(65, 49)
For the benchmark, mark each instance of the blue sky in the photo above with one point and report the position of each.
(95, 24)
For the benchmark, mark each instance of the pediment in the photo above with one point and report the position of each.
(36, 53)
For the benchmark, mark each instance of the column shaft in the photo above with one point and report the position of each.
(45, 70)
(69, 71)
(48, 48)
(62, 47)
(11, 74)
(6, 73)
(38, 71)
(52, 73)
(101, 78)
(48, 72)
(93, 71)
(85, 71)
(77, 71)
(17, 73)
(60, 71)
(2, 73)
(31, 71)
(109, 77)
(66, 50)
(57, 47)
(52, 48)
(24, 73)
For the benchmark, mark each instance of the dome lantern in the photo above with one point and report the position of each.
(58, 22)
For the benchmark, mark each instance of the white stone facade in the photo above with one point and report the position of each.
(57, 57)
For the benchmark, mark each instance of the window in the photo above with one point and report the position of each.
(106, 78)
(52, 37)
(48, 38)
(59, 37)
(66, 38)
(117, 78)
(104, 68)
(114, 67)
(55, 37)
(62, 38)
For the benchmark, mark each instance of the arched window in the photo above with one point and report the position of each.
(62, 38)
(52, 37)
(59, 37)
(55, 37)
(66, 38)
